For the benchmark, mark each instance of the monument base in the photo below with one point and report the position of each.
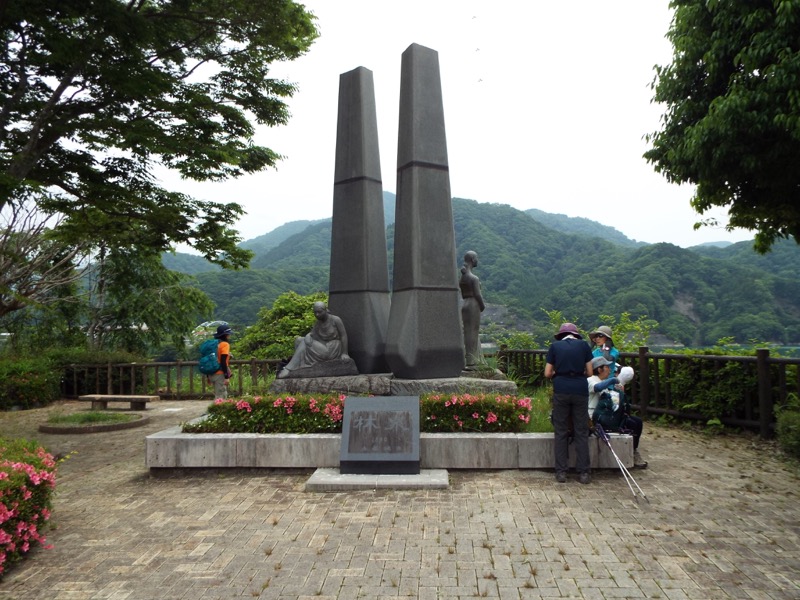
(385, 467)
(386, 384)
(331, 480)
(328, 368)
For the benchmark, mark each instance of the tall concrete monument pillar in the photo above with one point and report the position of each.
(359, 273)
(424, 340)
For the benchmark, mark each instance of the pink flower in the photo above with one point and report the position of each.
(244, 405)
(524, 418)
(476, 415)
(491, 417)
(333, 412)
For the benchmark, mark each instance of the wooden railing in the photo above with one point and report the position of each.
(176, 380)
(745, 389)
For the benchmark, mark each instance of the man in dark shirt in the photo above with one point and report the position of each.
(569, 363)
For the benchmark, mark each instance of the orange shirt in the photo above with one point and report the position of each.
(223, 348)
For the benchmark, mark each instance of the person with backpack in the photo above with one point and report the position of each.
(219, 377)
(612, 408)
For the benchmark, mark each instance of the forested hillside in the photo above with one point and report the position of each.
(781, 261)
(582, 226)
(697, 295)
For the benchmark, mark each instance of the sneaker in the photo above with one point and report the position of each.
(561, 477)
(585, 477)
(638, 461)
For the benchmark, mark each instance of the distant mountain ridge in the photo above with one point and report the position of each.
(697, 295)
(582, 226)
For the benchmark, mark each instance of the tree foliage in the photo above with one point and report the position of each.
(94, 94)
(35, 267)
(135, 303)
(732, 120)
(274, 333)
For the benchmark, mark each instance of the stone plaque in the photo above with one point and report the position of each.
(380, 436)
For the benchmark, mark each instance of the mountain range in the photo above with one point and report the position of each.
(532, 261)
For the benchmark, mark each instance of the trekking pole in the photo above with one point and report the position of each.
(625, 472)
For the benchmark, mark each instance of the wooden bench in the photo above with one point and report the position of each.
(100, 401)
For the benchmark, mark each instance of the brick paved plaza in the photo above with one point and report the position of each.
(723, 522)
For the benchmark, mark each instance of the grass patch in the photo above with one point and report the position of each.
(92, 417)
(541, 405)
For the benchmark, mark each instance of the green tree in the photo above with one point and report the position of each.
(35, 268)
(629, 333)
(732, 120)
(135, 303)
(274, 333)
(95, 93)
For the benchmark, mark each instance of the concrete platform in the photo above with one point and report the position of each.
(173, 449)
(331, 480)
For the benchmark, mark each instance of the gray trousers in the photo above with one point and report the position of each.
(571, 410)
(220, 389)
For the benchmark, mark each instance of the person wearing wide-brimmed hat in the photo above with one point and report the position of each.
(603, 345)
(221, 378)
(569, 363)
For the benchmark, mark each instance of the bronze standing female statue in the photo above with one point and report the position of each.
(471, 309)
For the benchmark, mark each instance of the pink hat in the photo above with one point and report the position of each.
(568, 329)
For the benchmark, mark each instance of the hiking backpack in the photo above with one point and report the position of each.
(208, 363)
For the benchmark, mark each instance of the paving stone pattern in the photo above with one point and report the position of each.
(723, 522)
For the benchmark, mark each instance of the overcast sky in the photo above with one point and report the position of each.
(546, 106)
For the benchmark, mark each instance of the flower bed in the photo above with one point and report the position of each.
(27, 481)
(300, 413)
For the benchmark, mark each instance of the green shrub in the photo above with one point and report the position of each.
(61, 357)
(712, 389)
(303, 413)
(273, 335)
(788, 430)
(28, 382)
(788, 426)
(27, 481)
(473, 412)
(299, 413)
(88, 381)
